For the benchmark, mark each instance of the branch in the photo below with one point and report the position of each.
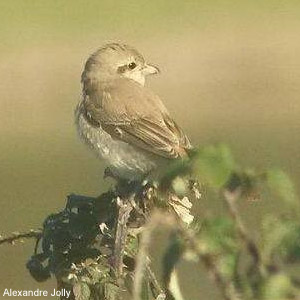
(231, 199)
(125, 209)
(15, 236)
(227, 289)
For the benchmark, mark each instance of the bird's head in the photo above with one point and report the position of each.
(114, 61)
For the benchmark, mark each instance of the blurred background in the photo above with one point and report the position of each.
(230, 73)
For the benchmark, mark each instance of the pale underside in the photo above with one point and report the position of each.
(124, 160)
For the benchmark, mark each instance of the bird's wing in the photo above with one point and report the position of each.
(133, 114)
(161, 139)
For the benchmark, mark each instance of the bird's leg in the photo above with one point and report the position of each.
(195, 187)
(147, 188)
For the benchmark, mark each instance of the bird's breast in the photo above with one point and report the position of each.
(126, 161)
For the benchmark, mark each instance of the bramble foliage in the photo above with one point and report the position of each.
(99, 247)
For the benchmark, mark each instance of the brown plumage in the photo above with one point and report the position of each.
(118, 105)
(149, 125)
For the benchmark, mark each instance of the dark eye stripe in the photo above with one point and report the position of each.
(122, 69)
(130, 66)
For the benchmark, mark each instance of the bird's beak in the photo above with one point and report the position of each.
(150, 70)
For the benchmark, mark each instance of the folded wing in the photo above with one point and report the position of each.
(131, 113)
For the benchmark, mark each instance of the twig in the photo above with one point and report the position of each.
(142, 259)
(227, 290)
(125, 209)
(156, 290)
(154, 284)
(230, 200)
(33, 233)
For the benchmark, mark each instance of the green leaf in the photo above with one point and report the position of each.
(219, 235)
(81, 291)
(180, 186)
(227, 264)
(132, 245)
(177, 168)
(214, 164)
(281, 238)
(277, 287)
(219, 239)
(111, 291)
(95, 274)
(281, 183)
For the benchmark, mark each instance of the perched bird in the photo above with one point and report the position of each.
(123, 121)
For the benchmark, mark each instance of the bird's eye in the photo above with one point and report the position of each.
(132, 65)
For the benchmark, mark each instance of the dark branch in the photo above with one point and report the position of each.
(11, 239)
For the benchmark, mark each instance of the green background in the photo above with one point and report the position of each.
(230, 73)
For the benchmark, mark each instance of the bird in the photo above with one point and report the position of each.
(123, 121)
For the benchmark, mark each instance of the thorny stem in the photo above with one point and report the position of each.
(157, 290)
(125, 209)
(33, 233)
(228, 291)
(155, 286)
(231, 199)
(141, 259)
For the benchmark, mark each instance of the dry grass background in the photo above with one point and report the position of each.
(230, 73)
